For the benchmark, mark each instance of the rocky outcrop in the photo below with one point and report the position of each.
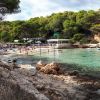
(5, 65)
(97, 37)
(19, 85)
(16, 86)
(27, 69)
(51, 68)
(40, 65)
(9, 66)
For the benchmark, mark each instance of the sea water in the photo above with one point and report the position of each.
(86, 59)
(89, 58)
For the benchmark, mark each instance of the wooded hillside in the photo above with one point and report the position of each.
(77, 26)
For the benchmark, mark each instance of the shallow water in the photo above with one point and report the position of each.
(89, 58)
(78, 56)
(86, 59)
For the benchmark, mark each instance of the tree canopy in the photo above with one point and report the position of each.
(77, 26)
(9, 6)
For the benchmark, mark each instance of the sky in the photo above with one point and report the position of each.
(37, 8)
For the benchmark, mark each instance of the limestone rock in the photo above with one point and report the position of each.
(27, 70)
(5, 65)
(39, 65)
(4, 72)
(17, 86)
(52, 68)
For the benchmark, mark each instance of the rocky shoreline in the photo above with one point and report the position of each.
(14, 85)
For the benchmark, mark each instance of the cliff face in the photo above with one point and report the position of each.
(97, 37)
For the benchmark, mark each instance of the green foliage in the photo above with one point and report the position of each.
(77, 26)
(5, 37)
(84, 40)
(78, 36)
(70, 28)
(11, 5)
(95, 28)
(8, 7)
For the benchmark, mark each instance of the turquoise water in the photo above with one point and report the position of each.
(89, 58)
(85, 59)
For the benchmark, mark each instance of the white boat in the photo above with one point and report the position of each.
(59, 43)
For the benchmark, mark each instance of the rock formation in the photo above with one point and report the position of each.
(17, 84)
(14, 85)
(40, 65)
(52, 68)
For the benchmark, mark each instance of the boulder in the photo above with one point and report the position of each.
(5, 65)
(39, 65)
(4, 72)
(52, 68)
(27, 70)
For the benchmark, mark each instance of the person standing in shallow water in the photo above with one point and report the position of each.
(14, 65)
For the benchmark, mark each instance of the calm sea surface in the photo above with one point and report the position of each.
(87, 59)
